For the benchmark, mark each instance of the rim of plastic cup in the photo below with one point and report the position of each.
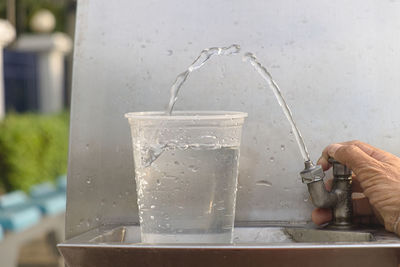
(187, 115)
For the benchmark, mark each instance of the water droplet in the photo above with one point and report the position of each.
(97, 219)
(193, 168)
(158, 182)
(169, 52)
(114, 204)
(283, 147)
(152, 217)
(88, 181)
(264, 183)
(272, 159)
(152, 206)
(176, 162)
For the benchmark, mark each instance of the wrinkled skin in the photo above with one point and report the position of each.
(376, 179)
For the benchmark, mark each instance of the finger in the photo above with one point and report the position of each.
(371, 151)
(361, 205)
(320, 216)
(351, 156)
(324, 163)
(367, 220)
(328, 184)
(355, 185)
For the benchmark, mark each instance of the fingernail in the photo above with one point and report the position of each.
(333, 148)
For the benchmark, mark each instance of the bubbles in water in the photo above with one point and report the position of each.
(264, 183)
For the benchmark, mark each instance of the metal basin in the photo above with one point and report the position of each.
(252, 246)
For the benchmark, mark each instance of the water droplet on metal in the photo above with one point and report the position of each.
(283, 147)
(272, 159)
(152, 217)
(152, 206)
(264, 183)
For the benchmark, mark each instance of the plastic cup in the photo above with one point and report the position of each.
(186, 169)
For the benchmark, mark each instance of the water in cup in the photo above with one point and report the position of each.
(188, 194)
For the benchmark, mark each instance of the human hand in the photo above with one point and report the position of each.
(376, 174)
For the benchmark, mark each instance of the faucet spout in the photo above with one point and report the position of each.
(339, 198)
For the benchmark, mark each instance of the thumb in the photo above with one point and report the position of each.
(351, 156)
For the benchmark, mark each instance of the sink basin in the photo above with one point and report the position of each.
(253, 235)
(119, 245)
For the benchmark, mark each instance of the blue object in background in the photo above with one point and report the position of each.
(12, 199)
(1, 233)
(48, 198)
(21, 80)
(62, 183)
(17, 212)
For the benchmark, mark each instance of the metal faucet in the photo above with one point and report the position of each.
(339, 198)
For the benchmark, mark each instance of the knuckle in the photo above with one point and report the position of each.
(349, 149)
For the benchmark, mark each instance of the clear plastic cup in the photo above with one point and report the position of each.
(186, 169)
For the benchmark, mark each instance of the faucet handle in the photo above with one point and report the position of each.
(311, 173)
(339, 169)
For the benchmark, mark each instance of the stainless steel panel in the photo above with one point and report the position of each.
(336, 61)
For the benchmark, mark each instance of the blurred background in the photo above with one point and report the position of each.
(36, 44)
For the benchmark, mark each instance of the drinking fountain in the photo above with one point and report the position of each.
(324, 55)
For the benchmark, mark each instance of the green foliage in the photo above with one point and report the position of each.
(33, 149)
(26, 8)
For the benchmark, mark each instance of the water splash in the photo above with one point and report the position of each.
(275, 88)
(205, 55)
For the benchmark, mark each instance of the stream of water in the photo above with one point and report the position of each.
(205, 55)
(277, 92)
